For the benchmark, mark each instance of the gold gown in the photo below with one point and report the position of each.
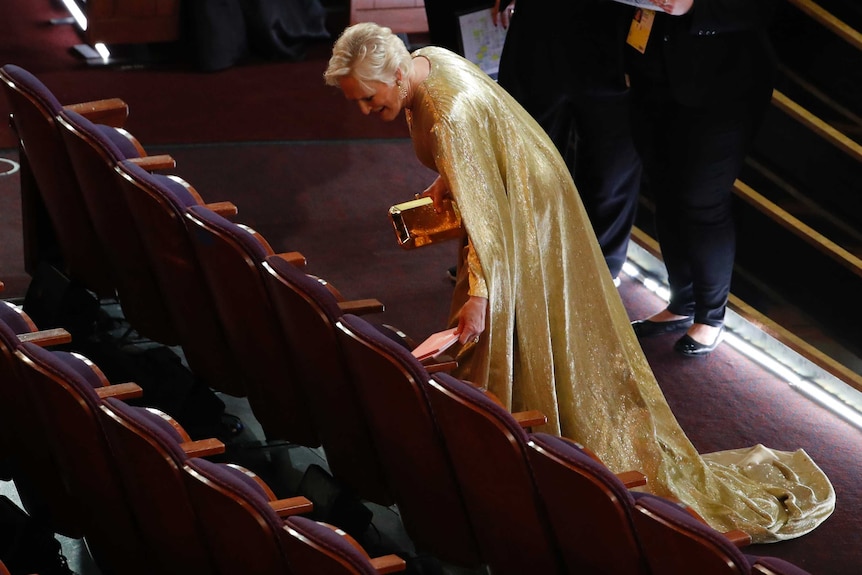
(558, 338)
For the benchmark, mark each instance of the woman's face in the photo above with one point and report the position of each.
(379, 98)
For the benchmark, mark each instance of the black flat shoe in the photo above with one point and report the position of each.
(649, 328)
(691, 348)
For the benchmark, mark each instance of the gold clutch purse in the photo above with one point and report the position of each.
(417, 224)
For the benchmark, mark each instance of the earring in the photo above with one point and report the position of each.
(402, 89)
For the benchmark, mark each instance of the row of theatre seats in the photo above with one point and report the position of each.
(475, 486)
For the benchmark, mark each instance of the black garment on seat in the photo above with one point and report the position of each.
(218, 33)
(280, 29)
(26, 546)
(54, 301)
(226, 31)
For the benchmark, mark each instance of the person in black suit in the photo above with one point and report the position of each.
(700, 88)
(442, 18)
(564, 65)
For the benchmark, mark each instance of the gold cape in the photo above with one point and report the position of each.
(558, 338)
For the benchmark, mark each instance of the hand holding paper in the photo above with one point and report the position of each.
(435, 344)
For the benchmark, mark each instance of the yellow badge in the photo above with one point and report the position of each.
(640, 29)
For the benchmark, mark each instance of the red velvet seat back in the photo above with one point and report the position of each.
(150, 463)
(230, 256)
(94, 155)
(674, 541)
(308, 312)
(240, 528)
(68, 404)
(32, 464)
(45, 163)
(315, 548)
(158, 204)
(389, 382)
(489, 452)
(589, 508)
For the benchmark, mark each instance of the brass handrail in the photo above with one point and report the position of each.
(834, 136)
(839, 27)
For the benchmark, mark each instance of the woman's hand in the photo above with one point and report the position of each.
(438, 191)
(471, 319)
(502, 18)
(674, 7)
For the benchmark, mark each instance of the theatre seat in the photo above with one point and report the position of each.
(16, 318)
(67, 391)
(94, 152)
(57, 226)
(158, 204)
(150, 449)
(16, 323)
(590, 509)
(240, 516)
(676, 540)
(30, 462)
(323, 549)
(308, 311)
(488, 447)
(231, 256)
(390, 383)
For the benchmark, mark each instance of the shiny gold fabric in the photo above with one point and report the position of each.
(558, 337)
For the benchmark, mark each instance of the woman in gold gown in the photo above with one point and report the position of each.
(543, 325)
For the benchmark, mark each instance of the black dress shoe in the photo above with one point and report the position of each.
(649, 328)
(688, 347)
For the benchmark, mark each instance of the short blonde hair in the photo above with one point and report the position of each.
(369, 53)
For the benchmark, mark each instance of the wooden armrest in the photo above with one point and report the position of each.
(153, 163)
(738, 538)
(440, 363)
(388, 564)
(224, 209)
(530, 418)
(111, 111)
(202, 447)
(121, 391)
(46, 337)
(293, 258)
(632, 478)
(361, 306)
(291, 506)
